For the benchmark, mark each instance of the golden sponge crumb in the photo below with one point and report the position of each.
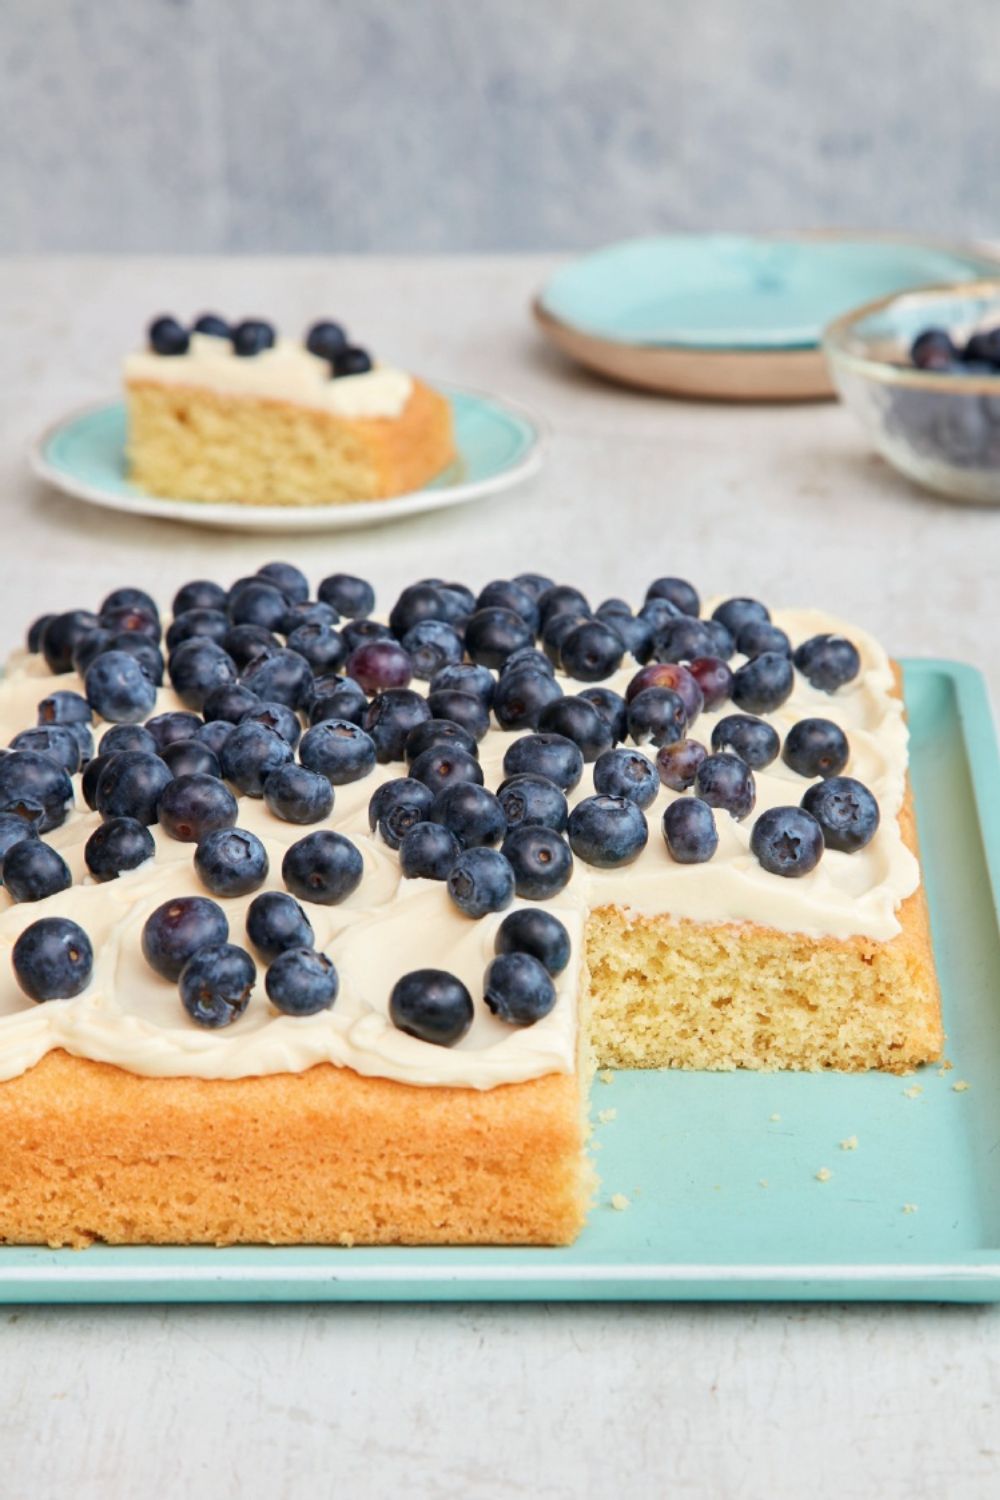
(193, 444)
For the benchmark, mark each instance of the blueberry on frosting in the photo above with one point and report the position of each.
(167, 336)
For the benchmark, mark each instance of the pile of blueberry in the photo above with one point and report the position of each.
(252, 336)
(288, 697)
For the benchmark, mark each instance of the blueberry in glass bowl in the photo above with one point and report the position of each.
(920, 371)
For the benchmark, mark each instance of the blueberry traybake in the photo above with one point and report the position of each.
(314, 924)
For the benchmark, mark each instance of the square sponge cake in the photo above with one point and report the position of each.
(771, 937)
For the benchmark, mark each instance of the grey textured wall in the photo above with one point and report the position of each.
(473, 124)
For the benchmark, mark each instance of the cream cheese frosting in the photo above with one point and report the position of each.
(130, 1017)
(286, 372)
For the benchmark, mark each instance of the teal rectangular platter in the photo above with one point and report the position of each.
(720, 1169)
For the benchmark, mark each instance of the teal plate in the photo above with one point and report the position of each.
(742, 292)
(499, 445)
(693, 1151)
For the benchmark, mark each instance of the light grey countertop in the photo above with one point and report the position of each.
(478, 1403)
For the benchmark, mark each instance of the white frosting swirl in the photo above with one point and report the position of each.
(286, 372)
(130, 1017)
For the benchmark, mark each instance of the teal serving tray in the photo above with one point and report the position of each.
(720, 1169)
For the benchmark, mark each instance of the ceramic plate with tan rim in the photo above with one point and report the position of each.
(732, 317)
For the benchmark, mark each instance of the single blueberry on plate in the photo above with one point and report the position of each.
(465, 709)
(64, 707)
(522, 696)
(678, 591)
(846, 811)
(626, 773)
(518, 989)
(561, 599)
(57, 741)
(200, 593)
(493, 633)
(216, 983)
(301, 982)
(828, 662)
(280, 677)
(209, 624)
(231, 861)
(724, 780)
(352, 597)
(787, 841)
(251, 337)
(816, 747)
(168, 337)
(257, 602)
(291, 580)
(607, 831)
(229, 703)
(591, 652)
(343, 699)
(116, 846)
(526, 656)
(431, 1005)
(764, 683)
(196, 668)
(191, 758)
(677, 764)
(298, 795)
(481, 881)
(177, 929)
(467, 678)
(550, 755)
(250, 754)
(191, 807)
(689, 831)
(427, 851)
(401, 791)
(530, 930)
(536, 584)
(752, 739)
(166, 729)
(36, 787)
(471, 812)
(530, 800)
(213, 734)
(321, 645)
(431, 646)
(419, 601)
(324, 867)
(32, 870)
(275, 922)
(53, 959)
(541, 860)
(441, 766)
(578, 720)
(505, 593)
(276, 716)
(657, 716)
(389, 719)
(439, 732)
(131, 785)
(249, 645)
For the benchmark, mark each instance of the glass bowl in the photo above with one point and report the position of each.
(940, 429)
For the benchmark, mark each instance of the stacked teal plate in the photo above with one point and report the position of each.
(732, 316)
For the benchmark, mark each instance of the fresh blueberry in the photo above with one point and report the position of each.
(787, 841)
(536, 933)
(657, 716)
(479, 681)
(214, 735)
(677, 764)
(132, 620)
(464, 709)
(139, 647)
(291, 580)
(828, 662)
(846, 811)
(607, 831)
(735, 613)
(88, 647)
(53, 959)
(419, 601)
(166, 729)
(257, 602)
(177, 929)
(439, 732)
(33, 870)
(933, 349)
(129, 598)
(210, 624)
(54, 740)
(37, 628)
(411, 799)
(191, 758)
(216, 983)
(380, 665)
(626, 773)
(471, 812)
(678, 591)
(518, 989)
(525, 658)
(308, 612)
(127, 737)
(116, 846)
(196, 668)
(231, 861)
(352, 361)
(212, 325)
(193, 806)
(84, 737)
(493, 633)
(64, 707)
(536, 584)
(726, 781)
(168, 337)
(60, 637)
(522, 695)
(758, 636)
(591, 652)
(297, 795)
(427, 851)
(481, 881)
(250, 754)
(229, 703)
(659, 614)
(541, 861)
(251, 337)
(752, 739)
(201, 593)
(249, 645)
(326, 340)
(816, 747)
(550, 755)
(324, 867)
(684, 640)
(341, 698)
(431, 1005)
(131, 785)
(431, 645)
(354, 598)
(635, 633)
(362, 632)
(12, 831)
(561, 599)
(283, 677)
(671, 675)
(276, 716)
(530, 800)
(36, 787)
(714, 677)
(689, 830)
(577, 720)
(275, 923)
(338, 750)
(556, 629)
(612, 708)
(301, 982)
(763, 683)
(321, 645)
(504, 593)
(92, 773)
(723, 642)
(389, 719)
(441, 766)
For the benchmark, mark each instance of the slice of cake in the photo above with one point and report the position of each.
(319, 942)
(241, 415)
